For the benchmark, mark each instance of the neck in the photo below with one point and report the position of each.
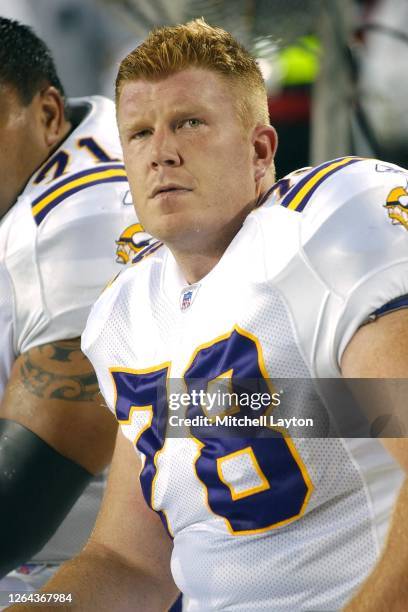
(195, 266)
(197, 258)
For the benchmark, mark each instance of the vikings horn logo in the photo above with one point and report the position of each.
(397, 206)
(132, 240)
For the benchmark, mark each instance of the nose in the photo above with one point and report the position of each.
(164, 150)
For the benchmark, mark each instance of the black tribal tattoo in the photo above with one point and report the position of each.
(42, 372)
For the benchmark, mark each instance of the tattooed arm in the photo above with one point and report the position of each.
(53, 392)
(55, 433)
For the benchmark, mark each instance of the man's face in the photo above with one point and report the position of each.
(22, 148)
(188, 158)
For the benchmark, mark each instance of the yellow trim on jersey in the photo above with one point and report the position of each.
(302, 193)
(84, 180)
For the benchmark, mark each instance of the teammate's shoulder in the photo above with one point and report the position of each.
(94, 116)
(87, 165)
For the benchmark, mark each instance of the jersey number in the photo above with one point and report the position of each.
(254, 483)
(58, 163)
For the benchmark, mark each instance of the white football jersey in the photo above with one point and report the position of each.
(285, 523)
(60, 244)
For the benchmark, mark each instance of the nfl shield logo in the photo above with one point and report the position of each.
(186, 300)
(187, 296)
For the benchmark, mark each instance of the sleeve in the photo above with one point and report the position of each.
(356, 241)
(75, 257)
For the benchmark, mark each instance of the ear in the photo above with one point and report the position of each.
(52, 117)
(265, 142)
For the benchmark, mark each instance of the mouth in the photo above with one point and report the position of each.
(165, 190)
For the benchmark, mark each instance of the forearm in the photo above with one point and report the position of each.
(386, 589)
(43, 489)
(99, 580)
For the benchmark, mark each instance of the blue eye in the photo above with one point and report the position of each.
(190, 123)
